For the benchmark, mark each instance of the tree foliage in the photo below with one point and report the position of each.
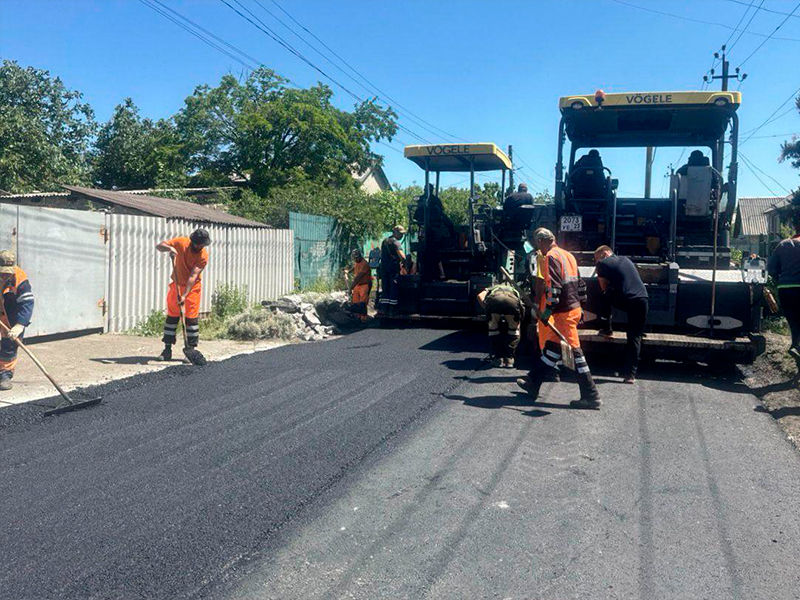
(790, 150)
(132, 152)
(45, 131)
(272, 135)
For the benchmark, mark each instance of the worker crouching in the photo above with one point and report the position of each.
(561, 302)
(189, 257)
(16, 311)
(503, 303)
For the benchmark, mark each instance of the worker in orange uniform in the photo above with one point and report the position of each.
(16, 311)
(361, 286)
(189, 257)
(561, 304)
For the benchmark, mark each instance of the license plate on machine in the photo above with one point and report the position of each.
(571, 223)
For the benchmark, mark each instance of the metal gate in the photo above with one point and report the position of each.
(64, 254)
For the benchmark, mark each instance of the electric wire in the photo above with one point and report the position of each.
(741, 64)
(370, 90)
(770, 118)
(753, 16)
(362, 77)
(777, 12)
(264, 28)
(714, 23)
(756, 167)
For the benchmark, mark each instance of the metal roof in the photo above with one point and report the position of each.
(752, 214)
(164, 207)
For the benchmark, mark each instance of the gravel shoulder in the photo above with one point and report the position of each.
(773, 378)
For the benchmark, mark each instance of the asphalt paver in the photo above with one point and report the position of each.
(395, 464)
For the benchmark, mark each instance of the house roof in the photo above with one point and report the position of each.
(752, 214)
(164, 207)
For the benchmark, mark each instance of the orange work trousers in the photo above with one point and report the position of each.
(191, 306)
(567, 325)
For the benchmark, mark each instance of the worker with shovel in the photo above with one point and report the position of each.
(189, 257)
(560, 301)
(16, 311)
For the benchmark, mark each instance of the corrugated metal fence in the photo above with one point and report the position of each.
(259, 259)
(80, 262)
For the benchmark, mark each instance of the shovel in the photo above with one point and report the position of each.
(567, 355)
(69, 404)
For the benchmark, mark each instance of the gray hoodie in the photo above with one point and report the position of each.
(784, 264)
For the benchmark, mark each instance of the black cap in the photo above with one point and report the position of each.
(200, 236)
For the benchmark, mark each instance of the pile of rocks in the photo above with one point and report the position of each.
(315, 316)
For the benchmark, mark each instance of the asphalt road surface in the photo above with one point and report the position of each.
(392, 464)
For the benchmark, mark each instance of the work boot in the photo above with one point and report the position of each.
(166, 354)
(497, 362)
(5, 384)
(589, 402)
(509, 363)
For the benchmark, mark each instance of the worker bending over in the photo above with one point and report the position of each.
(561, 301)
(16, 311)
(189, 258)
(361, 286)
(622, 288)
(503, 302)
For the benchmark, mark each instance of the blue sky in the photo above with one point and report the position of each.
(479, 70)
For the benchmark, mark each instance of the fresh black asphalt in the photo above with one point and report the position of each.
(394, 464)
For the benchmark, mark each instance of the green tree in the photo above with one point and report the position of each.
(272, 135)
(45, 130)
(790, 150)
(132, 152)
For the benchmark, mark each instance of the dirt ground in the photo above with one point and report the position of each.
(99, 358)
(773, 378)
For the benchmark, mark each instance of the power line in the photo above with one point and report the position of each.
(747, 164)
(746, 10)
(763, 137)
(714, 23)
(369, 90)
(753, 16)
(264, 28)
(741, 64)
(777, 12)
(755, 166)
(784, 103)
(200, 37)
(362, 77)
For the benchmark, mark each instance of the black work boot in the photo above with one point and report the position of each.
(590, 398)
(166, 354)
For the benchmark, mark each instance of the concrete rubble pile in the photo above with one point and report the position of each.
(316, 316)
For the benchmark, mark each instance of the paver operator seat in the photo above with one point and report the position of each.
(587, 179)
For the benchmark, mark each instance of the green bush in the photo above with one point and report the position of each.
(324, 285)
(229, 300)
(150, 326)
(260, 324)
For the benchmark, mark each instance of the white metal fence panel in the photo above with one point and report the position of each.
(260, 259)
(64, 254)
(8, 227)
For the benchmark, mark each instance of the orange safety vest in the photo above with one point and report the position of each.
(561, 278)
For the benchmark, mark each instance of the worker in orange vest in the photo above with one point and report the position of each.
(361, 286)
(560, 303)
(16, 311)
(189, 257)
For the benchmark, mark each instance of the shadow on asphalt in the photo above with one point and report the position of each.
(783, 386)
(516, 401)
(458, 342)
(128, 360)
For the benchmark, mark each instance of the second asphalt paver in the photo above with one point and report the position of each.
(384, 465)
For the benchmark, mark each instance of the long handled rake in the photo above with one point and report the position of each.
(69, 404)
